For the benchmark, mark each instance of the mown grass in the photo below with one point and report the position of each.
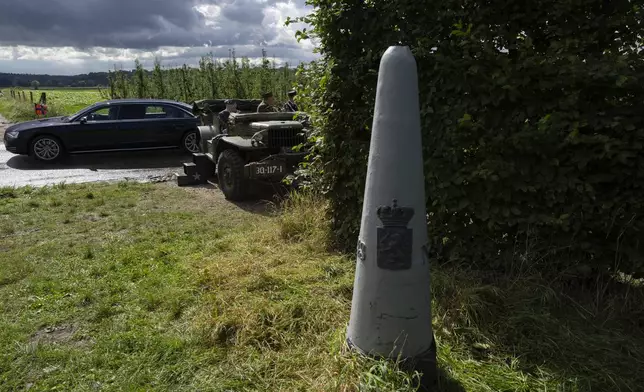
(153, 287)
(60, 102)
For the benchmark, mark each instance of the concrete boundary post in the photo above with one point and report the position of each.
(391, 305)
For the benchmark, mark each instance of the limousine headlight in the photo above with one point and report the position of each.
(11, 134)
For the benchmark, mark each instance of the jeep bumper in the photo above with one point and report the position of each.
(273, 168)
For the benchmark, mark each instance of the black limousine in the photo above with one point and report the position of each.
(115, 125)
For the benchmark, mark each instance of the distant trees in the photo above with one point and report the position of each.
(26, 80)
(232, 78)
(35, 84)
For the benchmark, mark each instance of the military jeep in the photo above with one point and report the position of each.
(255, 148)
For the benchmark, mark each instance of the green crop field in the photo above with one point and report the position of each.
(59, 102)
(70, 100)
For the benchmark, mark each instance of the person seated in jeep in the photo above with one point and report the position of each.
(224, 115)
(267, 104)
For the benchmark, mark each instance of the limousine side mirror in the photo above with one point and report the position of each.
(83, 120)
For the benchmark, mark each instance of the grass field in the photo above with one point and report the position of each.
(153, 287)
(59, 102)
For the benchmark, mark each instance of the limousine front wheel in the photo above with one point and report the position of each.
(46, 148)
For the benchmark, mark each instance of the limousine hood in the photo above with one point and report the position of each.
(40, 123)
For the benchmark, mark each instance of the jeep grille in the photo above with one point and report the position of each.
(285, 137)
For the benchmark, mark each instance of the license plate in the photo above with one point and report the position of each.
(269, 169)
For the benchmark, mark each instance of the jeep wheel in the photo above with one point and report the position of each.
(230, 175)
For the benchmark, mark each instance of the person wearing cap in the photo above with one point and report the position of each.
(291, 106)
(224, 115)
(267, 104)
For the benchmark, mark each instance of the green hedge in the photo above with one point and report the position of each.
(533, 124)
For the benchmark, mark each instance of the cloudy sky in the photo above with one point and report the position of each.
(67, 37)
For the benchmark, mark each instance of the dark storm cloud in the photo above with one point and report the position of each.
(243, 11)
(138, 24)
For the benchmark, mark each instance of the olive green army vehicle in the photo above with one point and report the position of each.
(250, 149)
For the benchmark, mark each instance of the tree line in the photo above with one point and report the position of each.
(234, 77)
(211, 79)
(92, 79)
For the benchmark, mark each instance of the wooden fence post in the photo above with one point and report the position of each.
(31, 96)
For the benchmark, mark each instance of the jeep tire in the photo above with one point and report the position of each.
(230, 175)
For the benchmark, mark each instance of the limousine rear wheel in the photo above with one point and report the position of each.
(190, 142)
(46, 148)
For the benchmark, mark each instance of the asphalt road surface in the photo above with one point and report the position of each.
(160, 165)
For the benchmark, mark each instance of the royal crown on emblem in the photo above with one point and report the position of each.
(394, 215)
